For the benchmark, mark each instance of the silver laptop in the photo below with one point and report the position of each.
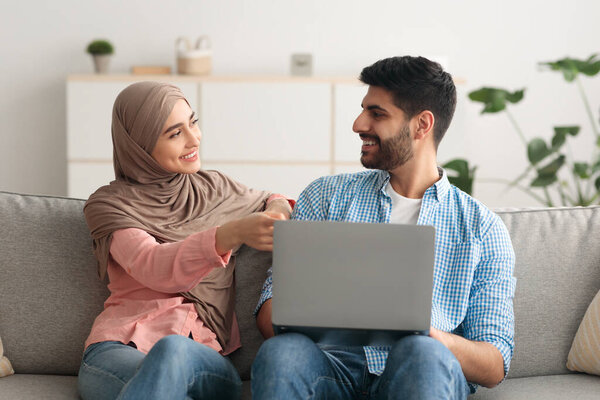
(352, 283)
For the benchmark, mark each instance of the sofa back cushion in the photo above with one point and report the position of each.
(558, 273)
(50, 290)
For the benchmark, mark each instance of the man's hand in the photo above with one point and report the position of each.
(481, 362)
(281, 206)
(255, 230)
(446, 338)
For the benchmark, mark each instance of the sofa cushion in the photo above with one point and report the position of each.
(250, 274)
(553, 387)
(35, 387)
(585, 351)
(50, 288)
(558, 273)
(5, 365)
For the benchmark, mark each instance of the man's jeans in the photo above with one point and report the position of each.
(175, 368)
(291, 366)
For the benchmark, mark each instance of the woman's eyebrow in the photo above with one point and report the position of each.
(177, 125)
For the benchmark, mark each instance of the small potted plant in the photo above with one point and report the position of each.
(101, 51)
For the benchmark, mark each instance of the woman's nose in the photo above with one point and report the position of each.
(194, 138)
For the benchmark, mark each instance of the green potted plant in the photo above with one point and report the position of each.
(555, 176)
(101, 50)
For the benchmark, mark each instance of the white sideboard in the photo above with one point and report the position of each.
(272, 133)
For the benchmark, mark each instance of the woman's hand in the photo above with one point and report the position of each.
(255, 230)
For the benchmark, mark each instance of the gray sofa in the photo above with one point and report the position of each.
(50, 295)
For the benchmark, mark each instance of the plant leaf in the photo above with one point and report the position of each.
(597, 184)
(596, 167)
(558, 140)
(537, 150)
(543, 181)
(571, 67)
(547, 174)
(560, 135)
(572, 130)
(581, 169)
(552, 167)
(495, 99)
(516, 96)
(463, 176)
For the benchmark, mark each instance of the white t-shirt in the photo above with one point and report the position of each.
(404, 210)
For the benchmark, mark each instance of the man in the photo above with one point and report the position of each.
(407, 109)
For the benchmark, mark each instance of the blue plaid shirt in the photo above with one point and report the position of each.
(473, 283)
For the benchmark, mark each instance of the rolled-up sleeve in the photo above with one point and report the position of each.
(490, 315)
(167, 267)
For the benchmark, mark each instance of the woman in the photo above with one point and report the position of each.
(164, 232)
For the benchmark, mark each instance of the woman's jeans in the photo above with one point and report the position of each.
(175, 368)
(291, 366)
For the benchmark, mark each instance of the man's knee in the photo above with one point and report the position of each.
(422, 350)
(286, 349)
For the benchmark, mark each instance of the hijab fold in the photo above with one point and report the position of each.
(169, 206)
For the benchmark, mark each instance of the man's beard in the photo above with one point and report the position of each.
(392, 153)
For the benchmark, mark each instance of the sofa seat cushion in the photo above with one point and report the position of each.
(34, 387)
(551, 387)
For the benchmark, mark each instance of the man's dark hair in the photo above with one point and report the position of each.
(417, 84)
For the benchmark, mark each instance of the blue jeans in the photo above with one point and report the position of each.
(175, 368)
(292, 366)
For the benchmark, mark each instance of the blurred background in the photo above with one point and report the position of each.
(481, 43)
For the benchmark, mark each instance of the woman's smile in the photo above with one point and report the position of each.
(193, 156)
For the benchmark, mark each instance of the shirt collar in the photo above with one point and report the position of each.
(437, 191)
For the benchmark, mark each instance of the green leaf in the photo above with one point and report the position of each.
(596, 167)
(553, 167)
(581, 169)
(571, 67)
(560, 135)
(597, 184)
(516, 96)
(591, 66)
(462, 176)
(543, 181)
(537, 150)
(558, 140)
(547, 174)
(495, 99)
(572, 130)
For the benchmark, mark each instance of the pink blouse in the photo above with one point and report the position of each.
(145, 280)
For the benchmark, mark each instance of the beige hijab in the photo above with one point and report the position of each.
(169, 206)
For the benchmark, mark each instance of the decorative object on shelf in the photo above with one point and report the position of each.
(546, 160)
(101, 50)
(301, 64)
(194, 60)
(150, 70)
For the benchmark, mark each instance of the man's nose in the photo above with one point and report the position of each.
(359, 124)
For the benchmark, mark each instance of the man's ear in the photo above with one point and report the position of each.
(425, 122)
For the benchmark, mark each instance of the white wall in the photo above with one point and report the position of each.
(485, 43)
